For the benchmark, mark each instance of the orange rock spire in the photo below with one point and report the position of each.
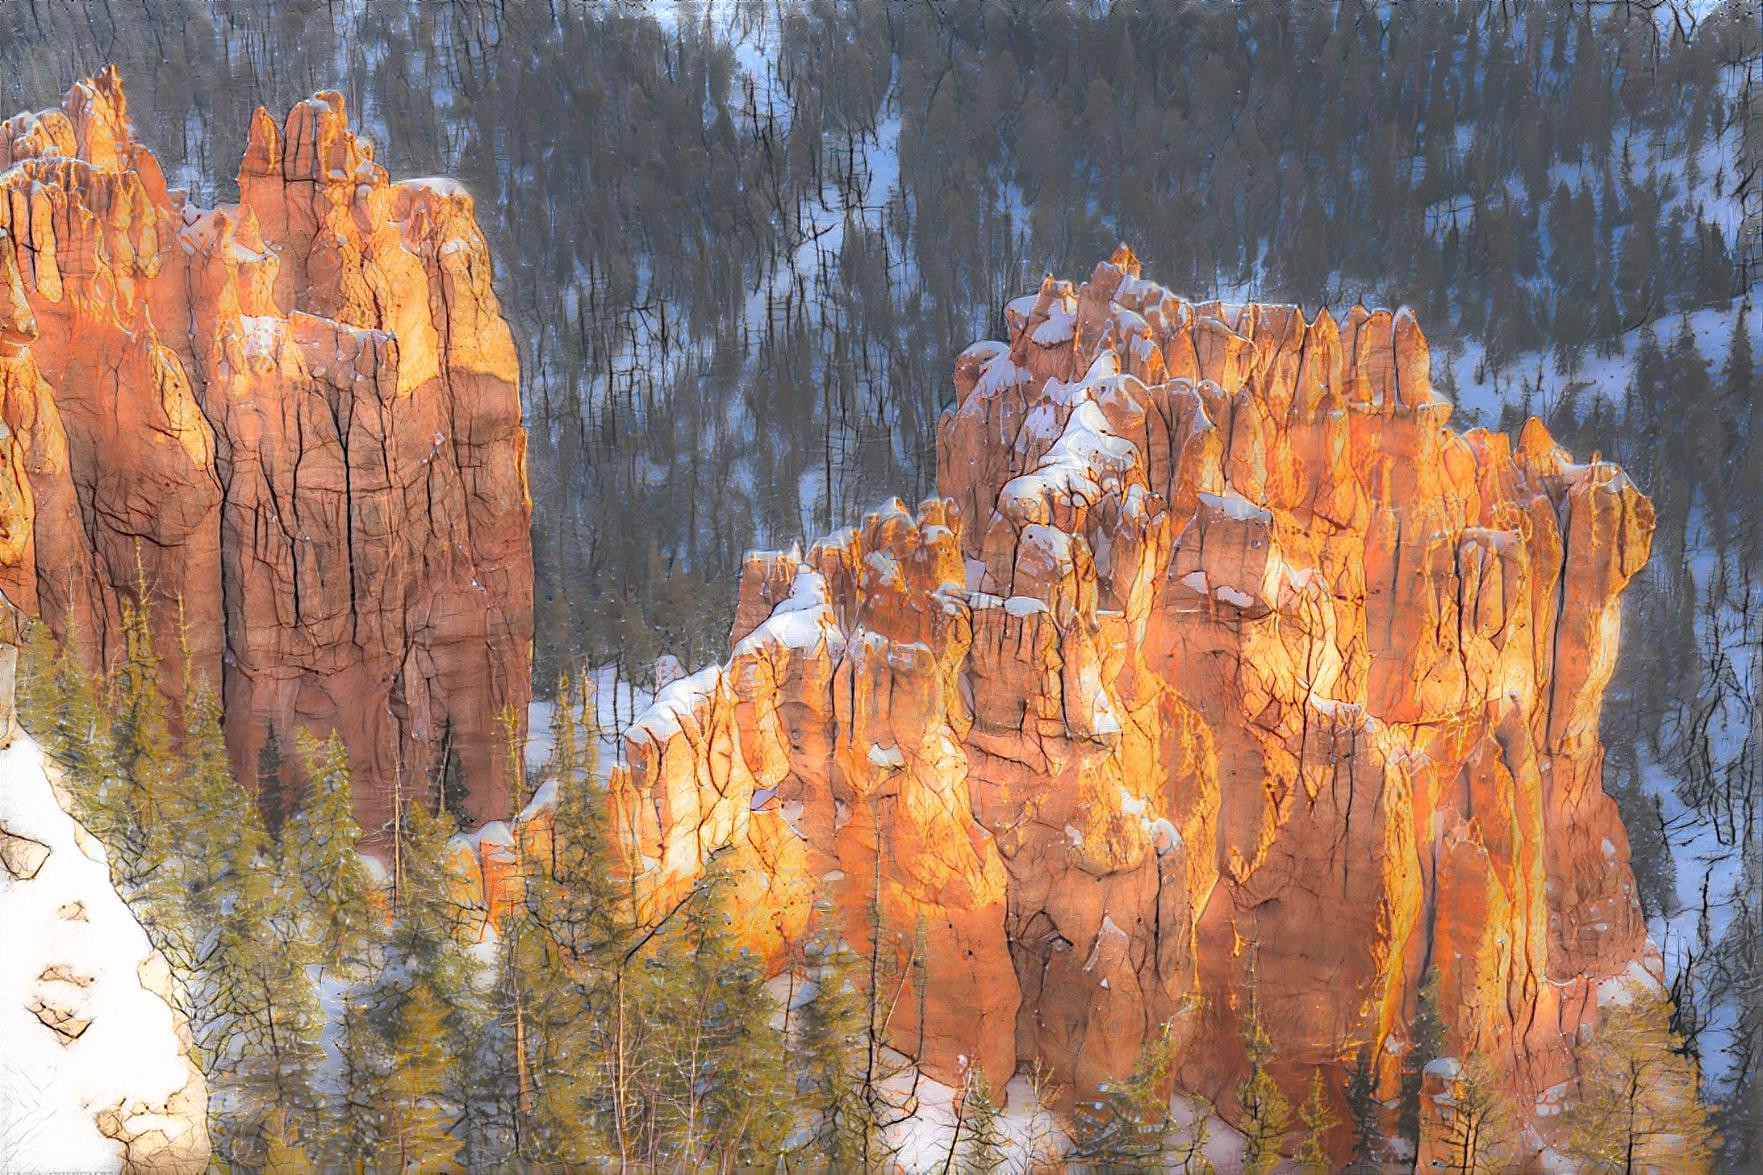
(1221, 673)
(295, 419)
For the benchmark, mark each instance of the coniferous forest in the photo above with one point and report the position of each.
(739, 246)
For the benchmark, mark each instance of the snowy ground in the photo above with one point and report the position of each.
(1532, 378)
(73, 952)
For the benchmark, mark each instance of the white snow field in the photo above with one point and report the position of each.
(94, 1065)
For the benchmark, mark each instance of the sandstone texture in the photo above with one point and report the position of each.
(1221, 674)
(292, 422)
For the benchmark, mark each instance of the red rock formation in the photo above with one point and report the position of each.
(295, 419)
(1222, 670)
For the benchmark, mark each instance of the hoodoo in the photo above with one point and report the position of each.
(1222, 680)
(291, 424)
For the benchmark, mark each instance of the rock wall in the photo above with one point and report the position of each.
(292, 422)
(1221, 673)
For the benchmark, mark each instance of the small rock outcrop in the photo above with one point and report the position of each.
(1222, 675)
(293, 422)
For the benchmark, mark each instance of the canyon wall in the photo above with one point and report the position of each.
(291, 424)
(1221, 676)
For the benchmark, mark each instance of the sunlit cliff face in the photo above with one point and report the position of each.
(292, 422)
(1222, 675)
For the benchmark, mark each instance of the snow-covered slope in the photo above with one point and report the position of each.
(95, 1067)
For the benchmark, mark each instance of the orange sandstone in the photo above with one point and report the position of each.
(1222, 672)
(294, 420)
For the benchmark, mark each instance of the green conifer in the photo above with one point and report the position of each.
(272, 783)
(1317, 1119)
(423, 1005)
(320, 860)
(58, 704)
(721, 1089)
(1426, 1038)
(1365, 1111)
(1266, 1112)
(141, 762)
(1128, 1127)
(1638, 1104)
(833, 1050)
(984, 1142)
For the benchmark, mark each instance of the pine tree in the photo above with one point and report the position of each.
(254, 1014)
(271, 1078)
(550, 1049)
(1478, 1120)
(569, 954)
(320, 860)
(833, 1049)
(355, 1123)
(718, 1086)
(1318, 1119)
(450, 782)
(1366, 1112)
(1426, 1038)
(1266, 1112)
(422, 1006)
(984, 1143)
(558, 956)
(1743, 416)
(215, 841)
(1738, 374)
(1638, 1104)
(576, 899)
(1129, 1127)
(272, 784)
(59, 705)
(141, 764)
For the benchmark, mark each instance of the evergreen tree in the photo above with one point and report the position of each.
(320, 860)
(576, 899)
(567, 953)
(355, 1122)
(1478, 1120)
(1129, 1127)
(272, 784)
(833, 1049)
(1738, 374)
(1741, 412)
(718, 1084)
(422, 1006)
(1426, 1038)
(1318, 1119)
(450, 782)
(1366, 1112)
(59, 705)
(213, 840)
(270, 1079)
(984, 1143)
(1266, 1112)
(140, 756)
(1638, 1103)
(252, 1008)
